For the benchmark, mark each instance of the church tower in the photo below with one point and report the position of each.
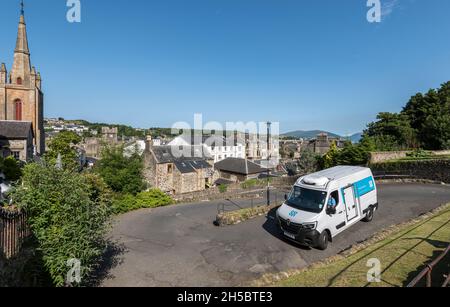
(21, 97)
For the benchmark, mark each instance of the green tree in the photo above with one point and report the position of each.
(393, 130)
(308, 161)
(11, 168)
(122, 173)
(68, 213)
(63, 144)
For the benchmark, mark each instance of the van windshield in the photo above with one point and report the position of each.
(307, 200)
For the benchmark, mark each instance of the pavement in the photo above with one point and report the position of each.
(179, 245)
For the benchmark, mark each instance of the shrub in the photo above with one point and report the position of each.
(223, 188)
(11, 168)
(122, 174)
(69, 216)
(252, 183)
(150, 199)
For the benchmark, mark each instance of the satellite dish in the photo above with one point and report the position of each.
(314, 180)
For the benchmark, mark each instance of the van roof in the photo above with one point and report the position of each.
(338, 172)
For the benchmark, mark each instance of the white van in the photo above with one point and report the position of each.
(324, 204)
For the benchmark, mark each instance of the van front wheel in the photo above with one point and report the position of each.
(323, 241)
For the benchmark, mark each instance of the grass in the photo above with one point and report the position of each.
(402, 250)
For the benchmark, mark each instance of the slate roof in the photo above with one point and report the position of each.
(185, 164)
(15, 130)
(239, 166)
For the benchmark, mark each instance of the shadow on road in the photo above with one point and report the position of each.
(112, 258)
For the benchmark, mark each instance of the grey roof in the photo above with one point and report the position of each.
(185, 164)
(15, 129)
(239, 166)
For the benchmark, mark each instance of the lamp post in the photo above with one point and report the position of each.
(269, 124)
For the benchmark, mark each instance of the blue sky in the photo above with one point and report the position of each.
(307, 64)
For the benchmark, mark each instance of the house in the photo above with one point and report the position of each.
(219, 147)
(239, 170)
(16, 139)
(166, 170)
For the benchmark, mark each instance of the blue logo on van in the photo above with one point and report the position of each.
(293, 213)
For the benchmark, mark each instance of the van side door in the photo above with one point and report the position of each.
(338, 220)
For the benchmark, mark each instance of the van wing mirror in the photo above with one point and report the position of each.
(331, 210)
(285, 197)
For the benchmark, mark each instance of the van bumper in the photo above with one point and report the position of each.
(309, 238)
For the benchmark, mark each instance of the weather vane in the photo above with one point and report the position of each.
(22, 10)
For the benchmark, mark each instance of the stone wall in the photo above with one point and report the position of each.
(435, 170)
(235, 191)
(382, 156)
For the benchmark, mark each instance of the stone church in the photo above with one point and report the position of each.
(21, 97)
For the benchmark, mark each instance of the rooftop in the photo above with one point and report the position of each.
(15, 129)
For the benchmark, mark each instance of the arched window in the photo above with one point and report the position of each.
(18, 109)
(19, 81)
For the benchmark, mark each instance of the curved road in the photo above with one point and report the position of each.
(179, 245)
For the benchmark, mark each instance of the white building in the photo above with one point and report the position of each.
(218, 147)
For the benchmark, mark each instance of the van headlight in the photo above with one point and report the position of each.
(309, 226)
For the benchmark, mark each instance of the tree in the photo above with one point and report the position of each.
(308, 161)
(393, 130)
(330, 159)
(121, 173)
(63, 144)
(11, 168)
(68, 214)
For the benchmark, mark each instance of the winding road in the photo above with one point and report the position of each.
(180, 246)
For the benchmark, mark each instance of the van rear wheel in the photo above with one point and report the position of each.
(369, 216)
(324, 238)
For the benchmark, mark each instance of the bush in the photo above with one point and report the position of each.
(223, 188)
(122, 174)
(69, 216)
(11, 168)
(150, 199)
(252, 183)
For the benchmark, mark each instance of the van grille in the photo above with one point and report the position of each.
(290, 227)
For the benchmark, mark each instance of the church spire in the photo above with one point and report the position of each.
(20, 72)
(22, 40)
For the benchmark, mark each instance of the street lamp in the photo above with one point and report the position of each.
(269, 124)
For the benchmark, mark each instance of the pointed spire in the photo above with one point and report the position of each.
(22, 40)
(3, 68)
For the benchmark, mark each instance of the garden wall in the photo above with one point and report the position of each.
(382, 156)
(435, 170)
(235, 191)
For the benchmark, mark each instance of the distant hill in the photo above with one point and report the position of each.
(300, 134)
(355, 138)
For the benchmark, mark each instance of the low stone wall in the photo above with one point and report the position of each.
(382, 156)
(434, 170)
(234, 191)
(239, 216)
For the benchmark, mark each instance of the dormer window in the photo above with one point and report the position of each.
(19, 81)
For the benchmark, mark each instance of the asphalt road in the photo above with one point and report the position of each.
(180, 246)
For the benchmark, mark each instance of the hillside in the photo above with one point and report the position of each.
(300, 134)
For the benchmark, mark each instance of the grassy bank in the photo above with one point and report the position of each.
(402, 250)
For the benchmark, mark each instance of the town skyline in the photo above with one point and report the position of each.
(184, 71)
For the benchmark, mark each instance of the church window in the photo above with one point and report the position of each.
(18, 109)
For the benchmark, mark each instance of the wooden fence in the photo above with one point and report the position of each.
(13, 232)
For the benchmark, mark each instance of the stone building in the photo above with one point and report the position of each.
(21, 96)
(93, 145)
(177, 175)
(239, 170)
(16, 139)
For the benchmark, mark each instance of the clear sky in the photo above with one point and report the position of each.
(307, 64)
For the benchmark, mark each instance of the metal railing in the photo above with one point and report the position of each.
(428, 271)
